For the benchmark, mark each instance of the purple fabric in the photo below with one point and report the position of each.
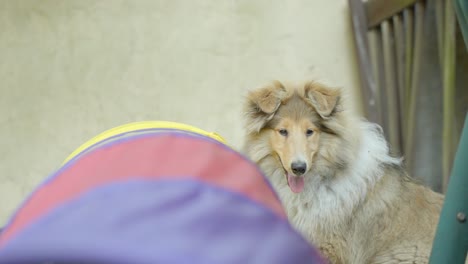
(170, 221)
(123, 137)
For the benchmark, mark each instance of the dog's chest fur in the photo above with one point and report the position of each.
(358, 221)
(322, 216)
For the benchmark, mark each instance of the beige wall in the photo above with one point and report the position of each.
(72, 69)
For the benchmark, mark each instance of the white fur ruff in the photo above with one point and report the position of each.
(333, 201)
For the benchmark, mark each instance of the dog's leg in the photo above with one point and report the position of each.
(402, 254)
(330, 253)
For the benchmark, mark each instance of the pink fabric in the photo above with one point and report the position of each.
(156, 156)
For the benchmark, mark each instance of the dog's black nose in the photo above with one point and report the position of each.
(298, 168)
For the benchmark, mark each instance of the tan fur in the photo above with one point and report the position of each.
(358, 206)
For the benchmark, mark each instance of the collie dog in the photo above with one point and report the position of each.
(336, 178)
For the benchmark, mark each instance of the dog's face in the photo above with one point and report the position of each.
(293, 122)
(293, 137)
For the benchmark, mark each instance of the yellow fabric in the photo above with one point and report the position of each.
(131, 127)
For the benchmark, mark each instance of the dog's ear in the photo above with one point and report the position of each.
(325, 100)
(262, 105)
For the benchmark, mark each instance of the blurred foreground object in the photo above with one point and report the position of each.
(154, 192)
(451, 239)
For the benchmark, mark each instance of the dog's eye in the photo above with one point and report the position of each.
(309, 132)
(283, 132)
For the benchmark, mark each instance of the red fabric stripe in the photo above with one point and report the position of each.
(149, 157)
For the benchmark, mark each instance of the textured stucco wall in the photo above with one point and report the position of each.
(72, 69)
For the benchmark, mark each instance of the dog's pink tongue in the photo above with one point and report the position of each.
(296, 183)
